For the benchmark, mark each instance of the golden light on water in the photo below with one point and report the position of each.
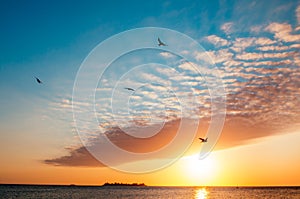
(201, 193)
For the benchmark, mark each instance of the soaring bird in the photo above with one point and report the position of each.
(160, 43)
(130, 89)
(203, 140)
(38, 80)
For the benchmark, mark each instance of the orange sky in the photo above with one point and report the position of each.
(268, 161)
(246, 52)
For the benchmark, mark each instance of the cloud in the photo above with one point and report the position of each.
(241, 44)
(257, 99)
(217, 41)
(155, 79)
(166, 54)
(262, 78)
(283, 32)
(256, 29)
(264, 105)
(253, 112)
(257, 56)
(286, 62)
(187, 66)
(220, 55)
(279, 28)
(77, 157)
(262, 41)
(295, 46)
(166, 71)
(273, 48)
(227, 27)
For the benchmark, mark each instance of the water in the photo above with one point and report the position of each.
(32, 191)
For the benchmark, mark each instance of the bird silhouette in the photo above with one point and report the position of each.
(160, 43)
(203, 140)
(38, 80)
(130, 89)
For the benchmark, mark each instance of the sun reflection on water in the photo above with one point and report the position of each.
(201, 194)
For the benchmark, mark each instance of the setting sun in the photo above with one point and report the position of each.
(198, 170)
(132, 93)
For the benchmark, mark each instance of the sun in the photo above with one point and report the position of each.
(200, 171)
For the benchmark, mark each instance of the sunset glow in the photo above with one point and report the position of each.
(200, 171)
(126, 89)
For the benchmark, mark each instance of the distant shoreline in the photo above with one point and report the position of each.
(74, 185)
(124, 184)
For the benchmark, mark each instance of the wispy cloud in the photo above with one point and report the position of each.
(80, 156)
(240, 44)
(283, 32)
(217, 41)
(257, 56)
(77, 157)
(227, 27)
(262, 78)
(273, 48)
(166, 54)
(187, 66)
(256, 29)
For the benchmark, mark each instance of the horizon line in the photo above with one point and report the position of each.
(205, 186)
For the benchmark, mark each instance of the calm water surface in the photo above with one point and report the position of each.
(31, 191)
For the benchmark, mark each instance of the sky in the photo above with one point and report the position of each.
(230, 72)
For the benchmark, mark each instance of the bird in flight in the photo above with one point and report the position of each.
(203, 140)
(160, 43)
(130, 89)
(38, 80)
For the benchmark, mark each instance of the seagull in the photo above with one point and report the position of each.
(203, 140)
(130, 89)
(160, 43)
(38, 80)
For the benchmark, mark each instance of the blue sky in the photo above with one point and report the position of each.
(255, 45)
